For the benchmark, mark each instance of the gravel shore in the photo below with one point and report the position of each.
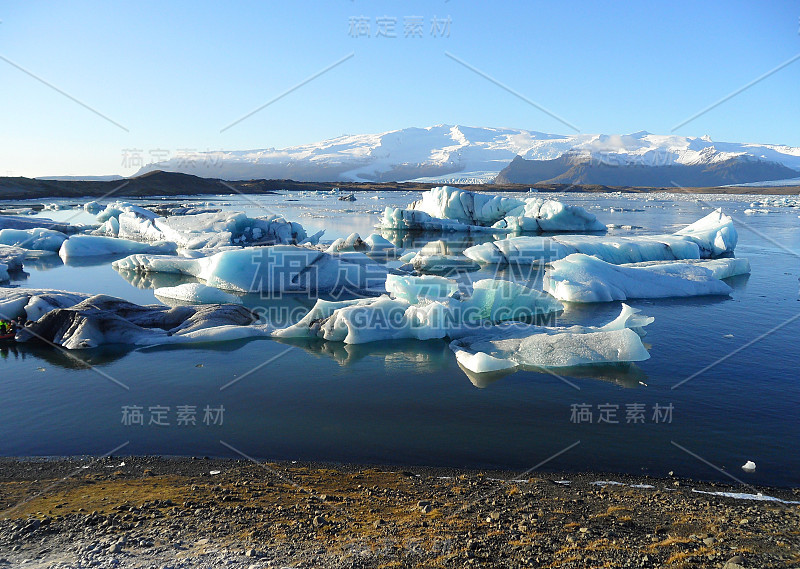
(179, 512)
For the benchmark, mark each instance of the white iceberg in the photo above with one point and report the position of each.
(200, 230)
(711, 236)
(451, 209)
(37, 238)
(32, 303)
(351, 243)
(583, 278)
(96, 245)
(278, 268)
(412, 289)
(437, 257)
(93, 207)
(722, 268)
(513, 345)
(384, 318)
(749, 466)
(197, 293)
(12, 257)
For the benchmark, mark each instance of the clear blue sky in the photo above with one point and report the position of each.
(174, 74)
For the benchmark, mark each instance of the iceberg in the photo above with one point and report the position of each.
(197, 293)
(583, 278)
(516, 345)
(412, 289)
(352, 243)
(378, 319)
(12, 257)
(451, 209)
(33, 303)
(199, 230)
(437, 257)
(374, 245)
(93, 208)
(95, 245)
(101, 320)
(37, 238)
(709, 237)
(723, 268)
(271, 269)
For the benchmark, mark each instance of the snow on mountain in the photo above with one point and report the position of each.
(459, 154)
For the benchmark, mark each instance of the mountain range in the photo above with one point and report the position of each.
(463, 155)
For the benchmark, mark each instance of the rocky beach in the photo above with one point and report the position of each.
(199, 512)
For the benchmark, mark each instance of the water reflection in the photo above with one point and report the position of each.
(154, 280)
(94, 260)
(626, 375)
(66, 359)
(409, 355)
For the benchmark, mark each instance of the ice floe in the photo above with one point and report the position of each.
(414, 288)
(37, 238)
(96, 245)
(451, 209)
(201, 230)
(749, 466)
(101, 320)
(584, 278)
(747, 496)
(12, 257)
(278, 268)
(513, 345)
(709, 237)
(33, 303)
(437, 257)
(197, 293)
(384, 318)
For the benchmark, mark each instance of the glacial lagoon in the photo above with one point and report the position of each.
(720, 387)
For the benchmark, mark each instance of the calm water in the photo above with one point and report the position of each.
(409, 402)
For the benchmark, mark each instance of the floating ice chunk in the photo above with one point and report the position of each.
(723, 268)
(32, 304)
(436, 257)
(16, 222)
(583, 278)
(412, 289)
(451, 209)
(413, 220)
(499, 300)
(384, 318)
(749, 466)
(93, 208)
(225, 228)
(538, 346)
(116, 208)
(379, 246)
(197, 293)
(352, 243)
(714, 234)
(711, 236)
(278, 268)
(93, 245)
(747, 496)
(199, 230)
(37, 238)
(101, 320)
(12, 257)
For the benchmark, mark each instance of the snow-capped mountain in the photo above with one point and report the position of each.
(459, 154)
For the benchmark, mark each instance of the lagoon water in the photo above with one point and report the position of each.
(410, 403)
